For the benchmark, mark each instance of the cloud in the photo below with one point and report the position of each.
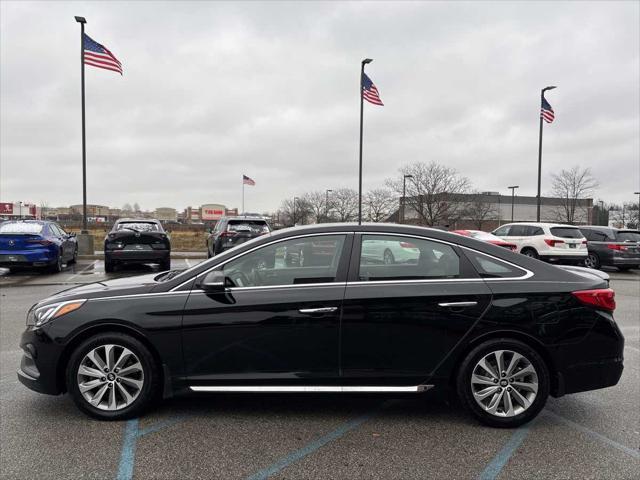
(213, 90)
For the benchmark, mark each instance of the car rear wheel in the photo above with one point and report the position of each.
(74, 259)
(165, 265)
(109, 265)
(56, 267)
(625, 268)
(112, 376)
(530, 252)
(388, 258)
(592, 261)
(503, 383)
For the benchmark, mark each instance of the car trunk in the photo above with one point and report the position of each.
(130, 240)
(19, 241)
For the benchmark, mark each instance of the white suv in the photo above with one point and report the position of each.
(546, 241)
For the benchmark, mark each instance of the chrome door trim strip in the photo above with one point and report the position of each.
(458, 304)
(278, 240)
(309, 389)
(318, 310)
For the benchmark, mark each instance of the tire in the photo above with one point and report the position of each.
(165, 265)
(141, 383)
(592, 261)
(74, 259)
(57, 266)
(625, 268)
(529, 252)
(388, 258)
(502, 417)
(109, 266)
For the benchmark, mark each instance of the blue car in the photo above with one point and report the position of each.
(35, 243)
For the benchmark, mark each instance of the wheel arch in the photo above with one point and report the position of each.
(530, 341)
(105, 328)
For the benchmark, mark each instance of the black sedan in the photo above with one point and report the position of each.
(137, 241)
(501, 330)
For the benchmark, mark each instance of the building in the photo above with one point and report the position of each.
(13, 210)
(166, 214)
(92, 210)
(488, 210)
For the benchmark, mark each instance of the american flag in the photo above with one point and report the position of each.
(247, 181)
(99, 56)
(370, 92)
(546, 112)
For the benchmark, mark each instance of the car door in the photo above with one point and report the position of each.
(401, 320)
(67, 242)
(277, 322)
(57, 233)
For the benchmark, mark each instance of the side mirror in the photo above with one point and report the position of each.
(213, 282)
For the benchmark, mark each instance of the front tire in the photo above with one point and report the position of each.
(74, 259)
(503, 383)
(388, 258)
(112, 376)
(57, 266)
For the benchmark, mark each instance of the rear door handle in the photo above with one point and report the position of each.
(458, 304)
(318, 310)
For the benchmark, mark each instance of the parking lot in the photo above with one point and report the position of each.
(589, 435)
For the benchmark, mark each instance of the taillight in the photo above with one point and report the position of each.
(584, 242)
(613, 246)
(407, 245)
(602, 298)
(513, 247)
(552, 242)
(40, 241)
(227, 234)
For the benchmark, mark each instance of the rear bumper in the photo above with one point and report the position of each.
(137, 255)
(577, 257)
(625, 261)
(27, 258)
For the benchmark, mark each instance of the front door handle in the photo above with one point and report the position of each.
(458, 304)
(318, 310)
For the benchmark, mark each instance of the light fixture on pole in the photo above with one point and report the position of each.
(404, 193)
(513, 196)
(326, 204)
(542, 101)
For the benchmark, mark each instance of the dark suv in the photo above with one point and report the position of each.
(232, 231)
(612, 247)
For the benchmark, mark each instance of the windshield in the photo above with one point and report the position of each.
(628, 236)
(21, 227)
(566, 232)
(138, 226)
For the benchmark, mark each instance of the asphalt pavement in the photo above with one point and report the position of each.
(582, 436)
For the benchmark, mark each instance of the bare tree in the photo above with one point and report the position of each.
(136, 207)
(317, 203)
(344, 204)
(432, 192)
(380, 203)
(480, 209)
(295, 211)
(572, 186)
(127, 207)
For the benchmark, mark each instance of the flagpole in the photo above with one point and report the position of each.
(362, 64)
(243, 195)
(538, 200)
(82, 21)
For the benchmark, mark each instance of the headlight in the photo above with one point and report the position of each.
(41, 315)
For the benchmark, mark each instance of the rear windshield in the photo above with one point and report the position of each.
(483, 236)
(566, 232)
(257, 226)
(628, 236)
(139, 226)
(21, 227)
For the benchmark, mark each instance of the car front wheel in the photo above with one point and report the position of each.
(503, 383)
(112, 376)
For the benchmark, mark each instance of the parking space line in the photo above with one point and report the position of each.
(308, 449)
(495, 466)
(186, 260)
(91, 265)
(596, 435)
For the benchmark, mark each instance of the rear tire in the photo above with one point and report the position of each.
(625, 268)
(125, 395)
(506, 396)
(165, 265)
(74, 259)
(388, 258)
(592, 261)
(57, 266)
(529, 252)
(109, 266)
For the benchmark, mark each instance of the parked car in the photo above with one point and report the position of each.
(550, 242)
(504, 330)
(612, 247)
(35, 243)
(487, 237)
(134, 240)
(232, 231)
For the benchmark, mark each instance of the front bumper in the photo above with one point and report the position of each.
(38, 368)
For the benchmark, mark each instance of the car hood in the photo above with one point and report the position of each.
(108, 288)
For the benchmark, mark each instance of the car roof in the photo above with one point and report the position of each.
(137, 220)
(542, 224)
(244, 218)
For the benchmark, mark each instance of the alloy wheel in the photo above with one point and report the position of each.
(110, 377)
(504, 383)
(388, 258)
(591, 261)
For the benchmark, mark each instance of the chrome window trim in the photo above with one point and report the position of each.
(256, 248)
(309, 389)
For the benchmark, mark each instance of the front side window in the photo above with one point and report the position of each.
(290, 262)
(518, 231)
(385, 257)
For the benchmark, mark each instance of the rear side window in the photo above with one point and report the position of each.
(566, 232)
(21, 227)
(385, 257)
(490, 267)
(533, 231)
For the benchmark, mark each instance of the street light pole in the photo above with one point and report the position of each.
(362, 64)
(638, 216)
(600, 212)
(540, 152)
(326, 204)
(404, 194)
(513, 196)
(295, 203)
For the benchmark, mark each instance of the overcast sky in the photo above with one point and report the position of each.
(213, 90)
